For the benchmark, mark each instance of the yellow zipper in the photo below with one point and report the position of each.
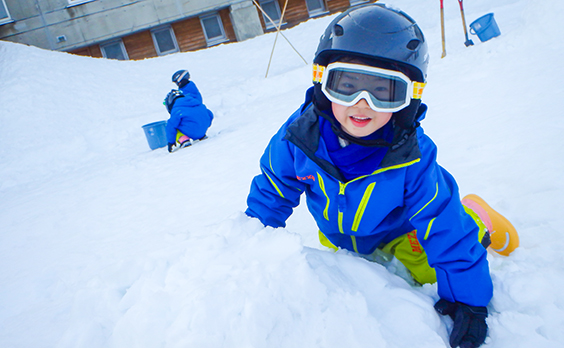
(322, 186)
(340, 200)
(364, 200)
(362, 206)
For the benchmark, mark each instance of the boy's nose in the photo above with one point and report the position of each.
(362, 104)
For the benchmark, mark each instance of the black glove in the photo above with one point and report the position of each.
(470, 328)
(171, 98)
(171, 147)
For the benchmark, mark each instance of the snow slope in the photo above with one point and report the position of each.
(104, 243)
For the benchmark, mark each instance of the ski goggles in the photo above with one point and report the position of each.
(384, 90)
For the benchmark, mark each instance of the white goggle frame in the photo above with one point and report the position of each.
(321, 75)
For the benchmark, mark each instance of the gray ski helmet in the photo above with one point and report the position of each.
(377, 33)
(181, 78)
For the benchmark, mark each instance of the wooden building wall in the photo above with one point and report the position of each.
(227, 25)
(338, 5)
(140, 45)
(90, 51)
(296, 11)
(190, 34)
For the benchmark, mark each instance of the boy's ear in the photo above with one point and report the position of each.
(319, 99)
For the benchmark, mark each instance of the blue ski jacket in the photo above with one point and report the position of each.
(189, 115)
(408, 190)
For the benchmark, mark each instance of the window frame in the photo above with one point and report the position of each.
(8, 18)
(121, 44)
(267, 23)
(218, 40)
(73, 3)
(172, 36)
(316, 13)
(357, 2)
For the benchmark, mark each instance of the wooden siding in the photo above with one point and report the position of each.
(338, 5)
(189, 34)
(227, 25)
(140, 45)
(90, 51)
(296, 11)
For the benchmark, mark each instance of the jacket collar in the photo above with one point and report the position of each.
(304, 132)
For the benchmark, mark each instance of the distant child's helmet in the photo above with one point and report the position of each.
(181, 78)
(377, 36)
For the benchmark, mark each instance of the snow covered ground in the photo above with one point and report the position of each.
(104, 243)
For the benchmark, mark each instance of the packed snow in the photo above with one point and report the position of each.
(105, 243)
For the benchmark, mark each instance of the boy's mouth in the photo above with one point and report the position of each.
(360, 121)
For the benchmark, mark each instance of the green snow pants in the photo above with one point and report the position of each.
(408, 251)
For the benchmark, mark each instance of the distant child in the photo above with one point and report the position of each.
(189, 117)
(370, 173)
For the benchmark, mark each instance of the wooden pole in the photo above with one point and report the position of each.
(443, 29)
(276, 37)
(281, 33)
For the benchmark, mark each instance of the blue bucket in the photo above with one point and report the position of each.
(156, 134)
(485, 27)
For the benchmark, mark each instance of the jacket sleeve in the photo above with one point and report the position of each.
(276, 191)
(447, 233)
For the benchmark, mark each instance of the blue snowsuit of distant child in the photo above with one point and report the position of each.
(391, 193)
(189, 115)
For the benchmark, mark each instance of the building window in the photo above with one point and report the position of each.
(165, 41)
(77, 2)
(357, 2)
(213, 29)
(272, 9)
(114, 50)
(315, 7)
(4, 13)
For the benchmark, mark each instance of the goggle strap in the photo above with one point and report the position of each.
(418, 89)
(318, 71)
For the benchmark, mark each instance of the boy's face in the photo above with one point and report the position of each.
(360, 120)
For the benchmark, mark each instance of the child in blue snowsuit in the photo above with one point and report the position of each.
(370, 173)
(189, 117)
